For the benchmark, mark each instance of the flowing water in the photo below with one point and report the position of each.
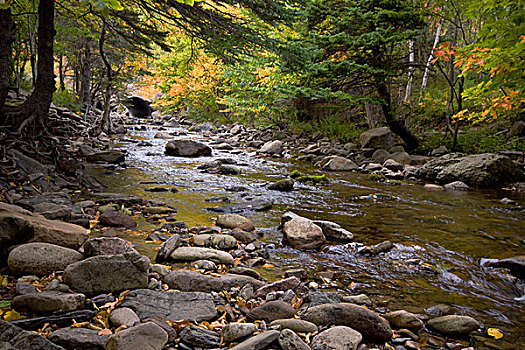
(440, 237)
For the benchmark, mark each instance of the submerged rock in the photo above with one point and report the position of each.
(285, 185)
(107, 156)
(232, 221)
(516, 265)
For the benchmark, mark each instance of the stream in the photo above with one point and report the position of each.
(439, 237)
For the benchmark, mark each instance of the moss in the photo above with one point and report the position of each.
(295, 174)
(313, 179)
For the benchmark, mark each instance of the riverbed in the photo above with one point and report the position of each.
(440, 238)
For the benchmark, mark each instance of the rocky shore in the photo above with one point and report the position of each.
(64, 287)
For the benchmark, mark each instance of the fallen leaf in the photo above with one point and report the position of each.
(268, 265)
(105, 332)
(12, 315)
(495, 333)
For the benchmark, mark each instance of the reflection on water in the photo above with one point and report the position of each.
(439, 237)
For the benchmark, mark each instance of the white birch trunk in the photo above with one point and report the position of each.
(411, 58)
(430, 58)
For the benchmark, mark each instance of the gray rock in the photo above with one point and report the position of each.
(23, 288)
(360, 299)
(368, 323)
(377, 138)
(232, 221)
(271, 311)
(441, 150)
(318, 298)
(299, 273)
(160, 269)
(402, 158)
(281, 285)
(516, 129)
(117, 219)
(158, 210)
(457, 186)
(227, 169)
(338, 163)
(380, 156)
(234, 331)
(206, 265)
(295, 325)
(28, 164)
(54, 211)
(404, 319)
(106, 246)
(393, 165)
(224, 242)
(302, 233)
(167, 248)
(272, 147)
(199, 337)
(13, 337)
(433, 187)
(197, 253)
(285, 185)
(108, 273)
(163, 135)
(478, 170)
(19, 226)
(123, 316)
(334, 231)
(288, 340)
(453, 325)
(186, 280)
(145, 336)
(258, 342)
(79, 338)
(47, 302)
(187, 148)
(107, 156)
(171, 306)
(338, 337)
(41, 259)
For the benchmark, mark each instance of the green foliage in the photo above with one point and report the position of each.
(66, 98)
(332, 127)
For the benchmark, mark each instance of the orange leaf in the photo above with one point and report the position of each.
(105, 332)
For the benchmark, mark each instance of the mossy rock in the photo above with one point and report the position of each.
(313, 179)
(295, 174)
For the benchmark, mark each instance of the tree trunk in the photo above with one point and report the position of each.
(31, 42)
(86, 78)
(62, 83)
(105, 123)
(396, 126)
(37, 105)
(6, 26)
(430, 58)
(411, 57)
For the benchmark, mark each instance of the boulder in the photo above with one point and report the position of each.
(368, 323)
(171, 306)
(453, 325)
(123, 316)
(224, 242)
(198, 253)
(272, 147)
(334, 231)
(117, 219)
(393, 165)
(360, 299)
(338, 163)
(19, 226)
(138, 107)
(200, 338)
(288, 340)
(234, 331)
(516, 265)
(271, 311)
(302, 233)
(456, 186)
(258, 342)
(145, 336)
(377, 138)
(338, 337)
(187, 280)
(404, 319)
(167, 248)
(232, 221)
(13, 337)
(108, 273)
(79, 338)
(285, 185)
(402, 158)
(478, 170)
(28, 164)
(47, 302)
(187, 148)
(106, 246)
(107, 156)
(41, 259)
(380, 156)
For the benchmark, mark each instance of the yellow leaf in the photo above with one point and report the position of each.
(12, 315)
(105, 332)
(79, 325)
(495, 333)
(268, 265)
